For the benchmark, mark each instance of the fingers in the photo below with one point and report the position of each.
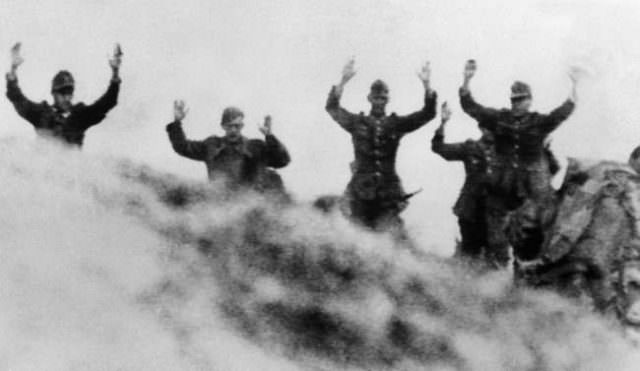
(445, 112)
(425, 72)
(470, 68)
(16, 58)
(265, 128)
(115, 60)
(349, 69)
(351, 62)
(180, 106)
(117, 51)
(471, 64)
(574, 73)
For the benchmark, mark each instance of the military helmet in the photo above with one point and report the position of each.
(62, 81)
(379, 87)
(230, 113)
(520, 90)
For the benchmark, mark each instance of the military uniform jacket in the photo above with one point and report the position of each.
(477, 157)
(519, 140)
(240, 164)
(522, 166)
(50, 122)
(375, 143)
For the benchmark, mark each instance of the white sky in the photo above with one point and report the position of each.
(281, 57)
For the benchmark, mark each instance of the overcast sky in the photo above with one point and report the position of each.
(281, 57)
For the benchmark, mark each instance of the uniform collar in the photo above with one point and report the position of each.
(240, 145)
(377, 117)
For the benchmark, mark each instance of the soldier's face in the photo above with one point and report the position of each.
(233, 128)
(520, 105)
(378, 102)
(63, 100)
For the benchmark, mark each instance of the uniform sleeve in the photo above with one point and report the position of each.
(418, 119)
(450, 152)
(195, 150)
(485, 116)
(276, 153)
(340, 115)
(97, 111)
(551, 121)
(29, 110)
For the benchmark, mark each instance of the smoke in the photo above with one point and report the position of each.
(77, 269)
(110, 265)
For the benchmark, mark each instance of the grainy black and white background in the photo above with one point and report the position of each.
(76, 269)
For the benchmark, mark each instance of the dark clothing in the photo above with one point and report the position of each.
(512, 186)
(244, 163)
(521, 166)
(375, 190)
(377, 213)
(474, 238)
(68, 127)
(477, 227)
(477, 157)
(497, 251)
(518, 138)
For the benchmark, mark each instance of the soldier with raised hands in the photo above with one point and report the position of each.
(239, 163)
(519, 135)
(375, 194)
(522, 163)
(477, 157)
(63, 119)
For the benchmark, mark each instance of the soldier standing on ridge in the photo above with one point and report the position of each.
(522, 168)
(477, 157)
(239, 162)
(375, 194)
(63, 120)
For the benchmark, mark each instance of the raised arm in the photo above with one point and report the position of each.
(276, 154)
(340, 115)
(556, 117)
(482, 114)
(29, 110)
(450, 152)
(418, 119)
(96, 112)
(551, 121)
(195, 150)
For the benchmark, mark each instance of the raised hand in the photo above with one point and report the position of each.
(348, 71)
(470, 69)
(179, 110)
(445, 113)
(116, 59)
(425, 74)
(575, 74)
(266, 126)
(16, 58)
